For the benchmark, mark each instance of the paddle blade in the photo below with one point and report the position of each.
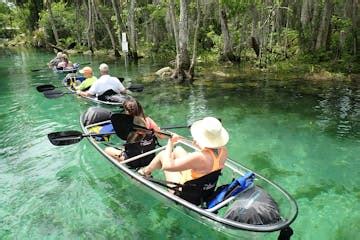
(53, 94)
(121, 79)
(65, 138)
(136, 87)
(45, 87)
(123, 124)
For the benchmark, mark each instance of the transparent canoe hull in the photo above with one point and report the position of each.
(287, 205)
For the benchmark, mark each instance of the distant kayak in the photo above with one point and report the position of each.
(74, 69)
(116, 100)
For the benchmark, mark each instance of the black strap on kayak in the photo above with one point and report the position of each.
(196, 191)
(164, 183)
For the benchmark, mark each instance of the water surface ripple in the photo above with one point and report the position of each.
(303, 135)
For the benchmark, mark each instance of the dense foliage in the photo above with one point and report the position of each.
(261, 32)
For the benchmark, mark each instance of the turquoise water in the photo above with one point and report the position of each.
(303, 135)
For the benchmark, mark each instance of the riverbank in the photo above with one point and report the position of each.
(207, 64)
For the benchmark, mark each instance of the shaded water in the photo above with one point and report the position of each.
(303, 135)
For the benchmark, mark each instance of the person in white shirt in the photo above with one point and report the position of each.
(105, 85)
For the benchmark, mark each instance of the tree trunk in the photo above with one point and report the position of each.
(154, 31)
(323, 35)
(89, 32)
(227, 53)
(272, 31)
(132, 36)
(305, 13)
(193, 60)
(34, 7)
(175, 27)
(52, 22)
(353, 13)
(255, 31)
(108, 29)
(183, 60)
(286, 39)
(94, 20)
(315, 23)
(119, 22)
(77, 19)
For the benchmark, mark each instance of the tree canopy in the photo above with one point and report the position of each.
(260, 31)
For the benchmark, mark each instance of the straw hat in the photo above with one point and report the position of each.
(209, 133)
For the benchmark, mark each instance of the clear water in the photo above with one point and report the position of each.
(303, 135)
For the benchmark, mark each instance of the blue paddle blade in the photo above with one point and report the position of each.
(235, 187)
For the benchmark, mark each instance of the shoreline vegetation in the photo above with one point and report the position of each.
(318, 40)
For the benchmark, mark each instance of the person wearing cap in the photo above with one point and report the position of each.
(87, 72)
(55, 61)
(106, 85)
(180, 166)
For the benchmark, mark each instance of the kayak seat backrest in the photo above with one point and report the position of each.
(148, 143)
(198, 191)
(105, 96)
(124, 125)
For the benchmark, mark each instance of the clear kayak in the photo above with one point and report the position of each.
(218, 216)
(118, 98)
(74, 69)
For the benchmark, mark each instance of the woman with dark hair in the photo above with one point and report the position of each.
(138, 141)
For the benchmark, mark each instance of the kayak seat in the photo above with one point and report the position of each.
(148, 143)
(123, 125)
(112, 96)
(199, 191)
(106, 95)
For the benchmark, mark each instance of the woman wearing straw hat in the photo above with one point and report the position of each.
(180, 166)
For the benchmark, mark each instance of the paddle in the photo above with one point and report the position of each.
(43, 69)
(136, 87)
(123, 124)
(49, 90)
(133, 87)
(71, 137)
(176, 126)
(46, 87)
(55, 94)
